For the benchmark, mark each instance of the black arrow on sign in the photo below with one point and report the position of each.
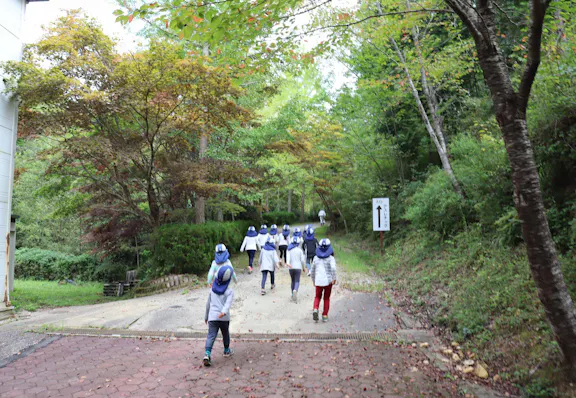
(379, 208)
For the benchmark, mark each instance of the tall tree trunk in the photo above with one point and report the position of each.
(289, 200)
(267, 201)
(220, 213)
(510, 109)
(436, 136)
(302, 203)
(200, 200)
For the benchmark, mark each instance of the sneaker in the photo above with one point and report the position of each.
(324, 318)
(308, 273)
(315, 315)
(272, 287)
(262, 292)
(295, 296)
(228, 352)
(250, 270)
(207, 361)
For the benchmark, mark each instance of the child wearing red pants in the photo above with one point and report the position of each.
(323, 274)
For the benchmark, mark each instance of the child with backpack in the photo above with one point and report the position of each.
(323, 274)
(269, 260)
(250, 244)
(310, 245)
(217, 315)
(295, 262)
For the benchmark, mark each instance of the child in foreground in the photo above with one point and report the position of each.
(217, 315)
(323, 274)
(221, 258)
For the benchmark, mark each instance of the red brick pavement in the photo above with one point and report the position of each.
(101, 367)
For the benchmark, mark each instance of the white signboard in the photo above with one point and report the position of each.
(381, 214)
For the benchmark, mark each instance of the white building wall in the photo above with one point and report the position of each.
(11, 22)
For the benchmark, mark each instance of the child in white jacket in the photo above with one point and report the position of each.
(323, 273)
(250, 244)
(268, 262)
(296, 261)
(262, 236)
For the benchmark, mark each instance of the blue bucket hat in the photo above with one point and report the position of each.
(297, 232)
(269, 245)
(324, 250)
(273, 229)
(263, 229)
(251, 232)
(223, 279)
(310, 234)
(222, 254)
(286, 230)
(295, 243)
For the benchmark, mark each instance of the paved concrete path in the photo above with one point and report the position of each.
(183, 310)
(101, 367)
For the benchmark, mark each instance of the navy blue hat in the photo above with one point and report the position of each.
(223, 279)
(325, 249)
(222, 254)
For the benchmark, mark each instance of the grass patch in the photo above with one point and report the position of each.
(31, 295)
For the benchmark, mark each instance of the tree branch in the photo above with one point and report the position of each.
(537, 14)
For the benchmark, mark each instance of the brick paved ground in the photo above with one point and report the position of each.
(98, 367)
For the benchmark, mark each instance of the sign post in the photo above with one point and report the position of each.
(381, 217)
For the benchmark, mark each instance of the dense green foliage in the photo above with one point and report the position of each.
(279, 218)
(41, 264)
(186, 248)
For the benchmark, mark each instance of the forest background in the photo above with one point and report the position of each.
(145, 160)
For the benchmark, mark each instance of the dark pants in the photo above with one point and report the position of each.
(284, 252)
(295, 276)
(264, 275)
(309, 262)
(327, 290)
(251, 254)
(213, 327)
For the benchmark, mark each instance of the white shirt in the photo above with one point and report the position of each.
(281, 240)
(296, 258)
(261, 239)
(268, 260)
(322, 213)
(249, 243)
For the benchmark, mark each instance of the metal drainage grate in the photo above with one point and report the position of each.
(356, 336)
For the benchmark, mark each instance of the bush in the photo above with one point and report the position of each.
(40, 264)
(279, 218)
(436, 207)
(187, 248)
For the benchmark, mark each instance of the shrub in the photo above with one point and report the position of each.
(279, 218)
(436, 207)
(40, 264)
(186, 248)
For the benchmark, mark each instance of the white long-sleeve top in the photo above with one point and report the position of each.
(261, 239)
(323, 271)
(249, 243)
(296, 258)
(268, 260)
(281, 240)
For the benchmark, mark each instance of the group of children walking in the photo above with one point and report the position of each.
(298, 252)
